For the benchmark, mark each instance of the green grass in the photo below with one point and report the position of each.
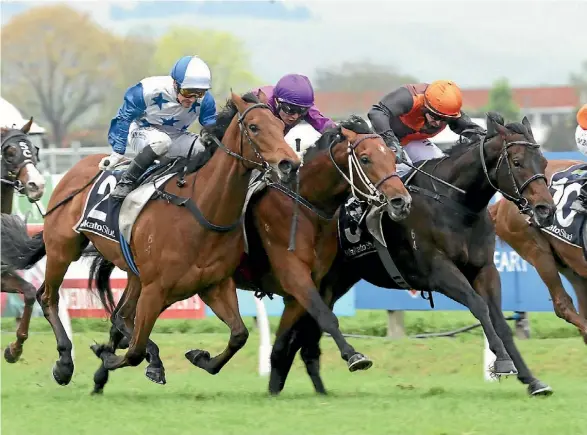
(422, 387)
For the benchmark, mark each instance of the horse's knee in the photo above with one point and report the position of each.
(30, 294)
(238, 339)
(562, 305)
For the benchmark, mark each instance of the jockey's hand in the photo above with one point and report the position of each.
(110, 161)
(392, 143)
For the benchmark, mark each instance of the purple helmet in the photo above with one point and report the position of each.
(295, 89)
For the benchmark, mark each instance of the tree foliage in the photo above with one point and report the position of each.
(57, 60)
(501, 100)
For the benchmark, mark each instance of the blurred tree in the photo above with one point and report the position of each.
(579, 81)
(56, 60)
(360, 77)
(501, 100)
(223, 52)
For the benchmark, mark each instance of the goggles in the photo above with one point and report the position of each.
(292, 109)
(191, 93)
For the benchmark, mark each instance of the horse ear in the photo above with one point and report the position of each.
(240, 104)
(349, 134)
(27, 127)
(495, 125)
(526, 123)
(262, 96)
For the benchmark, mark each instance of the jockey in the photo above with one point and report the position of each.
(413, 113)
(155, 116)
(292, 100)
(580, 204)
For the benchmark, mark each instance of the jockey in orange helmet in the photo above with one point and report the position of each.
(413, 113)
(580, 204)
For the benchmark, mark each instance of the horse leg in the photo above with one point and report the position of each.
(286, 345)
(149, 306)
(13, 283)
(296, 279)
(580, 285)
(448, 280)
(488, 284)
(223, 301)
(101, 376)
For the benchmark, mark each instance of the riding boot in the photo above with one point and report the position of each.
(580, 203)
(137, 167)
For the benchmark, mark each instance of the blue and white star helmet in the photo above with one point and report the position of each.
(191, 72)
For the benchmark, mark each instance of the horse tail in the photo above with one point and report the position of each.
(19, 250)
(100, 271)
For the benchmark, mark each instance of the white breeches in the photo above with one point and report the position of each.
(418, 150)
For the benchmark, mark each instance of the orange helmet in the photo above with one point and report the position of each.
(444, 98)
(582, 117)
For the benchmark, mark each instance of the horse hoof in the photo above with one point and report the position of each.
(156, 374)
(359, 362)
(198, 357)
(9, 357)
(62, 374)
(505, 367)
(539, 388)
(97, 392)
(97, 349)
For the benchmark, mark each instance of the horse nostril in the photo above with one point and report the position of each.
(543, 210)
(397, 202)
(32, 186)
(285, 166)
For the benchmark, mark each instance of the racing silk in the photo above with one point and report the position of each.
(581, 138)
(400, 114)
(153, 103)
(314, 117)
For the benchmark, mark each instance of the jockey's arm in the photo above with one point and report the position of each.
(132, 108)
(318, 121)
(464, 122)
(207, 110)
(394, 104)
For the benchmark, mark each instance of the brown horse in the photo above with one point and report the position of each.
(548, 254)
(19, 173)
(177, 255)
(447, 244)
(341, 155)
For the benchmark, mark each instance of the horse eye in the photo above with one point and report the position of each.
(517, 164)
(365, 160)
(254, 128)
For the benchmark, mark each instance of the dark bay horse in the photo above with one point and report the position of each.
(344, 159)
(548, 254)
(20, 174)
(447, 243)
(177, 253)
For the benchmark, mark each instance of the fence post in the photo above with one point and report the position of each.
(395, 324)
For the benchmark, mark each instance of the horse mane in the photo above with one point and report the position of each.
(462, 146)
(355, 123)
(224, 117)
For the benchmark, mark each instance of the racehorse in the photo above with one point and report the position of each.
(346, 159)
(178, 251)
(20, 174)
(548, 253)
(447, 244)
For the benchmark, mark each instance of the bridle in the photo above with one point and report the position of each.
(373, 195)
(518, 199)
(11, 169)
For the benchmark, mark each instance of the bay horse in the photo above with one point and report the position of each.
(548, 254)
(178, 251)
(349, 158)
(447, 244)
(19, 173)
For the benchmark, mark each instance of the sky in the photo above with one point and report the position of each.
(472, 42)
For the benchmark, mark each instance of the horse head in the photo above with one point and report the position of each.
(19, 160)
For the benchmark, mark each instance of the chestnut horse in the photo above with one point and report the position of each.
(178, 251)
(346, 159)
(548, 254)
(19, 173)
(447, 243)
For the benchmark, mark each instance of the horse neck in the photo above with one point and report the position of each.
(221, 184)
(321, 183)
(7, 193)
(466, 172)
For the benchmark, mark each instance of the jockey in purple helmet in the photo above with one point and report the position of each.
(292, 100)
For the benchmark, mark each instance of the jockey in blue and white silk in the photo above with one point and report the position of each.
(155, 116)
